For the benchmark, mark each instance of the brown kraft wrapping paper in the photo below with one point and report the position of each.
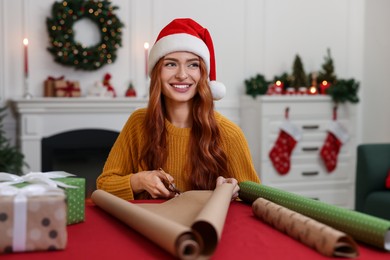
(188, 226)
(326, 240)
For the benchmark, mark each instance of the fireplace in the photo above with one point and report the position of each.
(71, 134)
(81, 152)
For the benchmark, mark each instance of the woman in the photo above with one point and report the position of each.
(178, 138)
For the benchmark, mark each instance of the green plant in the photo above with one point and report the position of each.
(344, 90)
(11, 159)
(257, 85)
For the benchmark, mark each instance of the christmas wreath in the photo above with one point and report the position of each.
(71, 53)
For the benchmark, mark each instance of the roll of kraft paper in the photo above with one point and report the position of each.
(363, 227)
(324, 239)
(188, 226)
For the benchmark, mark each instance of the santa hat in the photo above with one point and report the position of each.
(185, 34)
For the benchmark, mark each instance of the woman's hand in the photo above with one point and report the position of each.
(221, 180)
(153, 183)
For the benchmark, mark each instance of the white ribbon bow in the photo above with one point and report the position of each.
(20, 208)
(36, 177)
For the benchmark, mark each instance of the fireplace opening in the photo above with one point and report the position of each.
(80, 152)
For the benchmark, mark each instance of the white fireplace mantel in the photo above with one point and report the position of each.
(43, 117)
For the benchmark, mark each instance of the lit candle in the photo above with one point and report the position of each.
(25, 42)
(324, 86)
(313, 90)
(146, 47)
(278, 87)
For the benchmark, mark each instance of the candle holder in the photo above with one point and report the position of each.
(27, 94)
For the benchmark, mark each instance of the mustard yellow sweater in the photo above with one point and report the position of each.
(122, 161)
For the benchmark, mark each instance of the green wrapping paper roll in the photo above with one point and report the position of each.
(363, 227)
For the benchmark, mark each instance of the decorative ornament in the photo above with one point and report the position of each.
(110, 89)
(97, 90)
(130, 92)
(70, 53)
(281, 151)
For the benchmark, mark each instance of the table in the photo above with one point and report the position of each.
(102, 236)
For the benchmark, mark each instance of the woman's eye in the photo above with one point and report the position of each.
(194, 65)
(170, 64)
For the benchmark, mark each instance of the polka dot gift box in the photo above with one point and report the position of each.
(74, 189)
(32, 218)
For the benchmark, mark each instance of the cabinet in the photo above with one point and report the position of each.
(260, 119)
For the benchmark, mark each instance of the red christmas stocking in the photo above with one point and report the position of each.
(285, 143)
(337, 136)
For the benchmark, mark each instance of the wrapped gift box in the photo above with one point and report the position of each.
(74, 188)
(32, 218)
(49, 86)
(67, 89)
(75, 199)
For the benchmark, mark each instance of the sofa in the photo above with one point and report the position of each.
(372, 196)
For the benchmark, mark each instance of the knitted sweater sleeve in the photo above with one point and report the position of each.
(237, 151)
(122, 160)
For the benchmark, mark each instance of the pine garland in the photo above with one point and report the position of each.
(70, 53)
(257, 85)
(344, 90)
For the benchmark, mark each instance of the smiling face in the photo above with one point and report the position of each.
(180, 75)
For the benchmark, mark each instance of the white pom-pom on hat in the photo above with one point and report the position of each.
(184, 34)
(218, 89)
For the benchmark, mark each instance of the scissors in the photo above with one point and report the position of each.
(171, 186)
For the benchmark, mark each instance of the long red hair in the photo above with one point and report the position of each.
(206, 160)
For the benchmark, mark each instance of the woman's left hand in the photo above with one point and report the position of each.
(221, 180)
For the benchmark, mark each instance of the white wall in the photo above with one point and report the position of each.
(376, 91)
(252, 36)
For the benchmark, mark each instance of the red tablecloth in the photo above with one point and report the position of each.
(102, 236)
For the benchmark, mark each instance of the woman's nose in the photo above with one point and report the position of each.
(181, 73)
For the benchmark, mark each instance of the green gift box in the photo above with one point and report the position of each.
(75, 199)
(74, 188)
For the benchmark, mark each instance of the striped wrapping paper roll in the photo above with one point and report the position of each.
(366, 228)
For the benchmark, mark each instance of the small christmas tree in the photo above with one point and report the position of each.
(299, 78)
(327, 72)
(11, 160)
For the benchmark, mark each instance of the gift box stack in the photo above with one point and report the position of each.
(59, 87)
(35, 209)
